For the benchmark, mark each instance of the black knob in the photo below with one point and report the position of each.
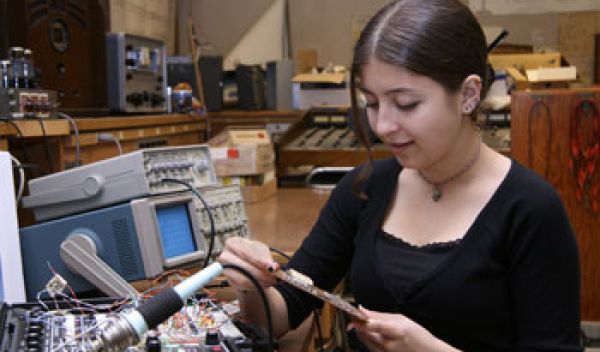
(136, 99)
(35, 328)
(33, 343)
(156, 99)
(152, 344)
(30, 336)
(212, 338)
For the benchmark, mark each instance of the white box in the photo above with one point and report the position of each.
(12, 286)
(550, 74)
(320, 90)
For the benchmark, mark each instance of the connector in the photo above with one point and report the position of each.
(55, 285)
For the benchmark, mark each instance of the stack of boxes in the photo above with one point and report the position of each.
(245, 157)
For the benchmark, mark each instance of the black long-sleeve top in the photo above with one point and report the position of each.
(511, 284)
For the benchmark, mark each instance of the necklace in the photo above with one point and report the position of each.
(436, 194)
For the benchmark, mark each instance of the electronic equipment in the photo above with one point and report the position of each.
(18, 103)
(71, 325)
(118, 179)
(326, 129)
(139, 239)
(250, 87)
(180, 70)
(226, 203)
(68, 46)
(12, 287)
(279, 84)
(211, 70)
(136, 69)
(325, 137)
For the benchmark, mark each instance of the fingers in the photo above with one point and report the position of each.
(252, 256)
(385, 324)
(253, 252)
(373, 341)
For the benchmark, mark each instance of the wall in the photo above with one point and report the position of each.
(151, 18)
(329, 27)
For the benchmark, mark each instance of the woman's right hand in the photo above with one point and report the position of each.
(251, 255)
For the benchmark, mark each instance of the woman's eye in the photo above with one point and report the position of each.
(407, 107)
(371, 105)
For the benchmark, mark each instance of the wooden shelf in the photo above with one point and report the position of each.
(32, 128)
(134, 121)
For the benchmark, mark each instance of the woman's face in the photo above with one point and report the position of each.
(412, 114)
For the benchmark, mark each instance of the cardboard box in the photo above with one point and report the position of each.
(255, 188)
(254, 194)
(535, 71)
(320, 90)
(242, 152)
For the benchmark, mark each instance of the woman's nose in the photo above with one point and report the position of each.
(383, 122)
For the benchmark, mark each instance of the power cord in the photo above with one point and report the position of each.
(21, 178)
(19, 134)
(108, 137)
(280, 252)
(315, 311)
(213, 233)
(264, 299)
(46, 143)
(77, 139)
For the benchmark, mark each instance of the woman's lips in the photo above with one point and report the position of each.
(400, 145)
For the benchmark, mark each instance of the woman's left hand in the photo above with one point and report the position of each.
(396, 332)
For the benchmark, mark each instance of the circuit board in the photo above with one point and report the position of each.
(305, 284)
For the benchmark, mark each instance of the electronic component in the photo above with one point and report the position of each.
(119, 179)
(19, 103)
(305, 284)
(136, 69)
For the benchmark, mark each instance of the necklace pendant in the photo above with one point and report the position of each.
(436, 195)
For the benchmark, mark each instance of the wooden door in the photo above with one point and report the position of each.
(557, 134)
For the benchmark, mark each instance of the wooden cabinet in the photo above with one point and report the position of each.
(557, 134)
(133, 133)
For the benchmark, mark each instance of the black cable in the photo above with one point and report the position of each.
(497, 40)
(21, 142)
(280, 252)
(315, 311)
(213, 233)
(46, 143)
(14, 125)
(26, 166)
(264, 299)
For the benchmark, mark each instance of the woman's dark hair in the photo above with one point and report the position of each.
(440, 39)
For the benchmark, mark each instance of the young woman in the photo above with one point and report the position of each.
(449, 245)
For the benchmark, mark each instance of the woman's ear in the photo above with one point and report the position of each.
(471, 91)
